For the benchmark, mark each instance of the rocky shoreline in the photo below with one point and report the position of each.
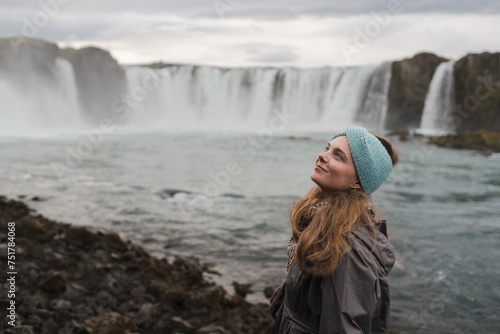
(74, 279)
(485, 141)
(481, 140)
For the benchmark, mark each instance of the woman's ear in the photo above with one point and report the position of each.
(356, 185)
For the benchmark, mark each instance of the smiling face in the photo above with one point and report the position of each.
(334, 169)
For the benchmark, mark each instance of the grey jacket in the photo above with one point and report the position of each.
(353, 299)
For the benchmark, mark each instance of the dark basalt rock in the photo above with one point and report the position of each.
(22, 58)
(268, 291)
(408, 88)
(100, 81)
(481, 140)
(81, 280)
(242, 289)
(477, 92)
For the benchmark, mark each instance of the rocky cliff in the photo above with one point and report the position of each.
(99, 79)
(32, 64)
(24, 60)
(408, 88)
(477, 92)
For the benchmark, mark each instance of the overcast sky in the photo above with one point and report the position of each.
(232, 33)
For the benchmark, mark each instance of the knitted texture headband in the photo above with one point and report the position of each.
(372, 161)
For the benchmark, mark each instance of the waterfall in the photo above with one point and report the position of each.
(188, 97)
(373, 110)
(436, 117)
(40, 102)
(203, 97)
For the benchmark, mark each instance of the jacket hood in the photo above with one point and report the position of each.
(383, 252)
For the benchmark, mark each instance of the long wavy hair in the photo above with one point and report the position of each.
(323, 235)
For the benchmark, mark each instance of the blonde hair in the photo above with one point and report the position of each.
(323, 238)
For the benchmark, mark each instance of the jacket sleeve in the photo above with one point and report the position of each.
(350, 296)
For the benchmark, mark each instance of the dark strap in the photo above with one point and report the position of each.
(382, 226)
(277, 299)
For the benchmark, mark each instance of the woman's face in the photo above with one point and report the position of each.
(334, 169)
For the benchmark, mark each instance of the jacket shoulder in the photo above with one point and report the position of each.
(374, 244)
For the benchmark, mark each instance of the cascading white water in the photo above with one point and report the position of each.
(436, 117)
(189, 97)
(194, 97)
(373, 110)
(39, 103)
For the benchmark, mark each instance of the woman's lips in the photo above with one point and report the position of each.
(318, 167)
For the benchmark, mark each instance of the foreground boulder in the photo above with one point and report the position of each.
(75, 279)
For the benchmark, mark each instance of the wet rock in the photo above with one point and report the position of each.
(403, 134)
(6, 320)
(60, 305)
(74, 327)
(139, 251)
(40, 326)
(477, 93)
(191, 269)
(481, 140)
(74, 291)
(49, 327)
(165, 324)
(31, 303)
(205, 300)
(175, 296)
(54, 282)
(166, 292)
(211, 329)
(13, 210)
(181, 323)
(20, 330)
(146, 316)
(268, 291)
(112, 323)
(114, 242)
(34, 321)
(44, 314)
(70, 287)
(82, 236)
(242, 289)
(30, 228)
(410, 80)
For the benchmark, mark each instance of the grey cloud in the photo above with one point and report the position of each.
(114, 19)
(266, 53)
(254, 8)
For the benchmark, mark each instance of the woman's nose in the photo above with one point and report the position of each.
(322, 157)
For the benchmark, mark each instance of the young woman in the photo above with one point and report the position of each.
(339, 255)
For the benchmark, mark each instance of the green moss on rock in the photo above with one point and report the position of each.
(482, 140)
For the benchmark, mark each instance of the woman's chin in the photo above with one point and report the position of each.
(315, 179)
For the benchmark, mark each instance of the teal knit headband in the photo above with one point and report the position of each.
(372, 161)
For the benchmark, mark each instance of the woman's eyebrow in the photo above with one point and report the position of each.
(341, 152)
